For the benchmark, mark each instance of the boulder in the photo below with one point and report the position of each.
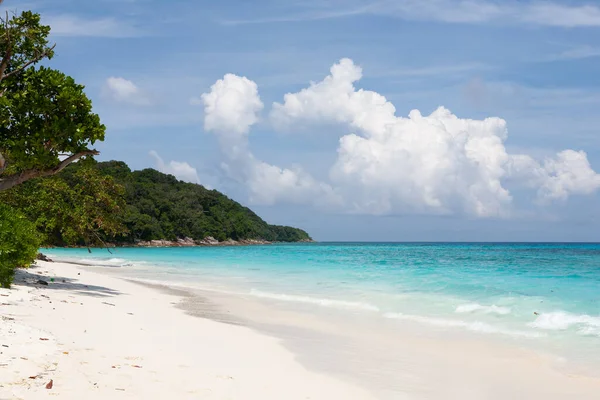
(42, 257)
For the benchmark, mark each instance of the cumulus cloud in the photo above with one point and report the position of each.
(231, 108)
(432, 164)
(556, 178)
(125, 91)
(232, 105)
(181, 170)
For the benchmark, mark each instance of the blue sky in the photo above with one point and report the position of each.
(534, 64)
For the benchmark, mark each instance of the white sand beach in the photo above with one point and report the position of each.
(96, 335)
(99, 337)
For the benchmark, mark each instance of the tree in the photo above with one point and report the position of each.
(19, 243)
(46, 120)
(77, 207)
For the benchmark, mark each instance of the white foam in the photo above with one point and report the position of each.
(475, 307)
(480, 327)
(101, 262)
(560, 321)
(317, 301)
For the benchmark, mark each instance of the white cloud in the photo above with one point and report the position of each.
(196, 101)
(557, 178)
(307, 16)
(73, 25)
(569, 173)
(232, 105)
(470, 11)
(554, 14)
(445, 70)
(270, 184)
(125, 91)
(428, 164)
(181, 170)
(449, 11)
(231, 108)
(576, 53)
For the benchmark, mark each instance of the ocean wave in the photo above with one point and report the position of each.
(476, 326)
(560, 320)
(101, 262)
(317, 301)
(474, 307)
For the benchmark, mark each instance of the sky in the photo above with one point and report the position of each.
(374, 120)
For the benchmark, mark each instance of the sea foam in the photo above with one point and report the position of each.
(317, 301)
(474, 307)
(476, 326)
(561, 320)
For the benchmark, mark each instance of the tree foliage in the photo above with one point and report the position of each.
(19, 243)
(91, 203)
(46, 120)
(161, 207)
(78, 207)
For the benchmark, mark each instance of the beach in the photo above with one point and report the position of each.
(99, 337)
(96, 333)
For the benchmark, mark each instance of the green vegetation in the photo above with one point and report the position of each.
(161, 207)
(78, 207)
(46, 120)
(46, 123)
(92, 203)
(19, 243)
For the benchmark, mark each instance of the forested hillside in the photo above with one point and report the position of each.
(92, 203)
(160, 206)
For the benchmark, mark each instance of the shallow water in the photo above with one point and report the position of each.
(538, 296)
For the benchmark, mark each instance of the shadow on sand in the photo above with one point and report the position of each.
(32, 275)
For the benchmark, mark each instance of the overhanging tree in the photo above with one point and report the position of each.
(80, 206)
(46, 120)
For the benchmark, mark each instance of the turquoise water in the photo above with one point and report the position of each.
(534, 293)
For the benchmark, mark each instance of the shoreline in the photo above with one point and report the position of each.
(187, 242)
(97, 336)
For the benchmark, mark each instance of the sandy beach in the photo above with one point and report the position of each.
(96, 334)
(99, 337)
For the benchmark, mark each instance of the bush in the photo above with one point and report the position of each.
(19, 243)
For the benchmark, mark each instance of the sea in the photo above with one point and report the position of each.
(544, 297)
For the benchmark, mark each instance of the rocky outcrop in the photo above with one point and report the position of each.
(207, 241)
(253, 241)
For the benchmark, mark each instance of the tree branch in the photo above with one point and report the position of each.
(27, 64)
(16, 179)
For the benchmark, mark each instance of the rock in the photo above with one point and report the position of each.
(253, 242)
(42, 257)
(208, 241)
(42, 282)
(49, 384)
(186, 242)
